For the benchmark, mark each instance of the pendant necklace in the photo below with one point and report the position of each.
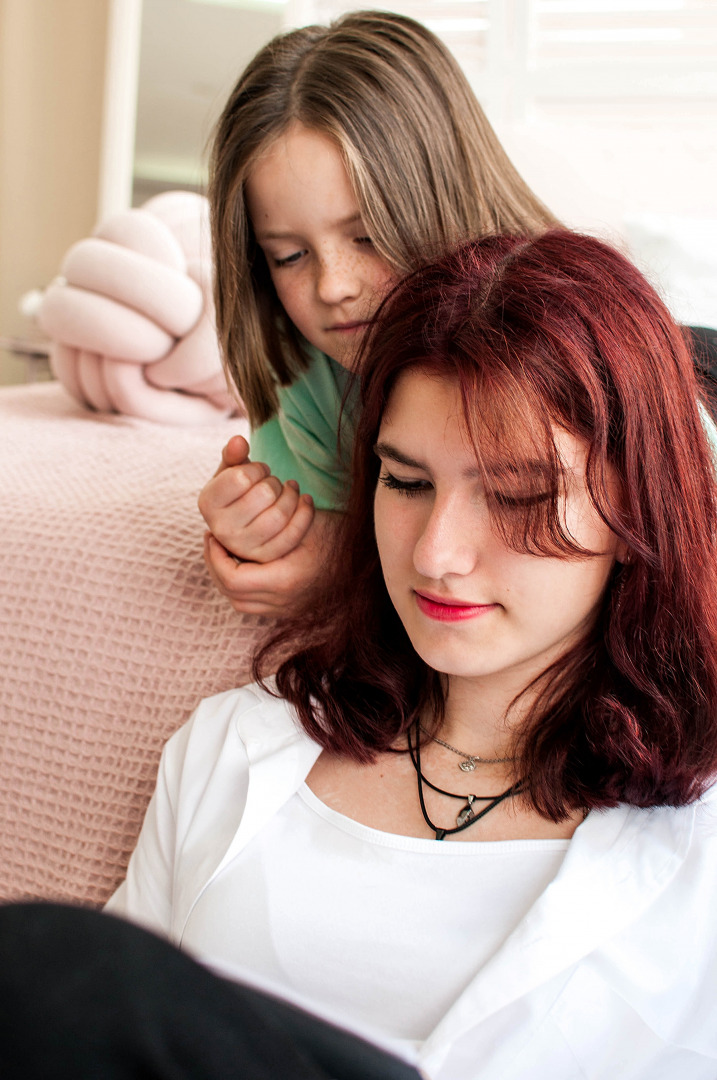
(469, 760)
(468, 815)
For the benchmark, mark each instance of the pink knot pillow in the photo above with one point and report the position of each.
(131, 318)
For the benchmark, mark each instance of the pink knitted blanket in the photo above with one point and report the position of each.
(110, 630)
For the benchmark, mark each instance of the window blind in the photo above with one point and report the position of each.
(539, 59)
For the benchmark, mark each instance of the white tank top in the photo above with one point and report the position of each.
(385, 929)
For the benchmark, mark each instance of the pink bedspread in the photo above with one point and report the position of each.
(110, 631)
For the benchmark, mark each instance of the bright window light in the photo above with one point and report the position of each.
(605, 7)
(614, 34)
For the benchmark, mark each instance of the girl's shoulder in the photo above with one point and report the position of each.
(706, 814)
(225, 738)
(251, 712)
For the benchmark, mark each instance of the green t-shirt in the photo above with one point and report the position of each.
(301, 441)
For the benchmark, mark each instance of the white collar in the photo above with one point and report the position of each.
(618, 863)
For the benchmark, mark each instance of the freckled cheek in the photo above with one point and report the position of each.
(293, 298)
(378, 278)
(384, 282)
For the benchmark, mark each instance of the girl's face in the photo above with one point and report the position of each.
(307, 222)
(473, 607)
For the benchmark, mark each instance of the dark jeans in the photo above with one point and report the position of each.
(86, 996)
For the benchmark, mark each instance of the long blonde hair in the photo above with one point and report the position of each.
(425, 165)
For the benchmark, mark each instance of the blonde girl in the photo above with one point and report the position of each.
(345, 157)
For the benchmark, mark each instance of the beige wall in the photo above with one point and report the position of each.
(52, 61)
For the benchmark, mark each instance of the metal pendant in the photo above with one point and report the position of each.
(468, 765)
(467, 812)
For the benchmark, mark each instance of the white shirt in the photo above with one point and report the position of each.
(611, 974)
(384, 929)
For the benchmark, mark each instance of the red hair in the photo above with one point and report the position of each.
(559, 330)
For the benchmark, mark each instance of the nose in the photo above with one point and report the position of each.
(338, 278)
(453, 539)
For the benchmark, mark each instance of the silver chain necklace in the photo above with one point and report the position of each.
(469, 760)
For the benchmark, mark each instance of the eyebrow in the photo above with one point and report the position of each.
(530, 467)
(342, 223)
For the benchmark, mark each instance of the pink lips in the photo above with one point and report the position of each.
(346, 328)
(445, 610)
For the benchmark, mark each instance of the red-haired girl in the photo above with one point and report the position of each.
(473, 812)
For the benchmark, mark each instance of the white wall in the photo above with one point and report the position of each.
(52, 56)
(652, 190)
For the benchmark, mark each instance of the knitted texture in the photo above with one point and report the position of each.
(110, 631)
(131, 318)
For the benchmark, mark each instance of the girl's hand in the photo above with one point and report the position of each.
(250, 512)
(271, 588)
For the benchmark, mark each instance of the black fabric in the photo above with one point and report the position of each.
(704, 352)
(705, 349)
(85, 996)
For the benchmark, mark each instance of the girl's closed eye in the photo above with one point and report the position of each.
(514, 500)
(505, 500)
(287, 260)
(404, 487)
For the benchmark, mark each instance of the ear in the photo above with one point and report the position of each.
(623, 555)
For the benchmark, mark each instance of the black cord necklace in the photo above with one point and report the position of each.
(467, 816)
